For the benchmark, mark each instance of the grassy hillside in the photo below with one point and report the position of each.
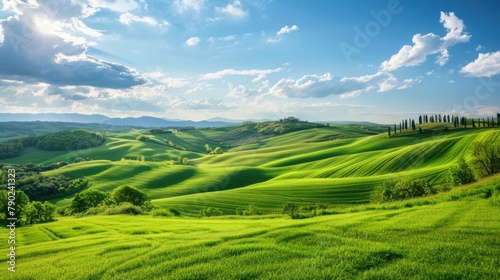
(337, 172)
(455, 237)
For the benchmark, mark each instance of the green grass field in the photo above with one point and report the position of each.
(455, 237)
(452, 235)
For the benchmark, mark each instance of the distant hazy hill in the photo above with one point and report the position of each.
(141, 121)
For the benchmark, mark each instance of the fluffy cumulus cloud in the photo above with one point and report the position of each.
(47, 42)
(183, 6)
(232, 10)
(319, 86)
(193, 41)
(285, 30)
(486, 65)
(429, 44)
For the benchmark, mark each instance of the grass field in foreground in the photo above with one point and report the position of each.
(455, 238)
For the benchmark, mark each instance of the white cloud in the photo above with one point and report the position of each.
(479, 47)
(286, 30)
(319, 86)
(260, 73)
(127, 18)
(429, 44)
(116, 5)
(183, 6)
(283, 31)
(486, 65)
(241, 92)
(233, 10)
(407, 83)
(193, 41)
(78, 25)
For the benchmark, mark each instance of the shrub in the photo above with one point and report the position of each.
(403, 189)
(460, 174)
(148, 206)
(79, 159)
(250, 210)
(210, 211)
(161, 213)
(125, 208)
(291, 209)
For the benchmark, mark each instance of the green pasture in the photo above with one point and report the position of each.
(455, 236)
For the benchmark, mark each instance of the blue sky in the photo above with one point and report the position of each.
(377, 61)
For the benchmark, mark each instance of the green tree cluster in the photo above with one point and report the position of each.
(26, 211)
(69, 140)
(126, 200)
(210, 212)
(402, 189)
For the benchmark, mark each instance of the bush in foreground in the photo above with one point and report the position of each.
(210, 211)
(402, 189)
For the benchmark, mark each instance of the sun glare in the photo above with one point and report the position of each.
(46, 26)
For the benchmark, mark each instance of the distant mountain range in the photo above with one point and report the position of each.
(101, 119)
(144, 121)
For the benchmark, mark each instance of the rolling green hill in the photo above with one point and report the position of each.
(450, 235)
(290, 167)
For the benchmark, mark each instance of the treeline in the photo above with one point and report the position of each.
(457, 122)
(39, 187)
(70, 140)
(59, 141)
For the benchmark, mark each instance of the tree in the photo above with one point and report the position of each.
(413, 126)
(87, 199)
(410, 188)
(185, 161)
(129, 194)
(208, 149)
(389, 131)
(460, 174)
(48, 211)
(486, 158)
(291, 209)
